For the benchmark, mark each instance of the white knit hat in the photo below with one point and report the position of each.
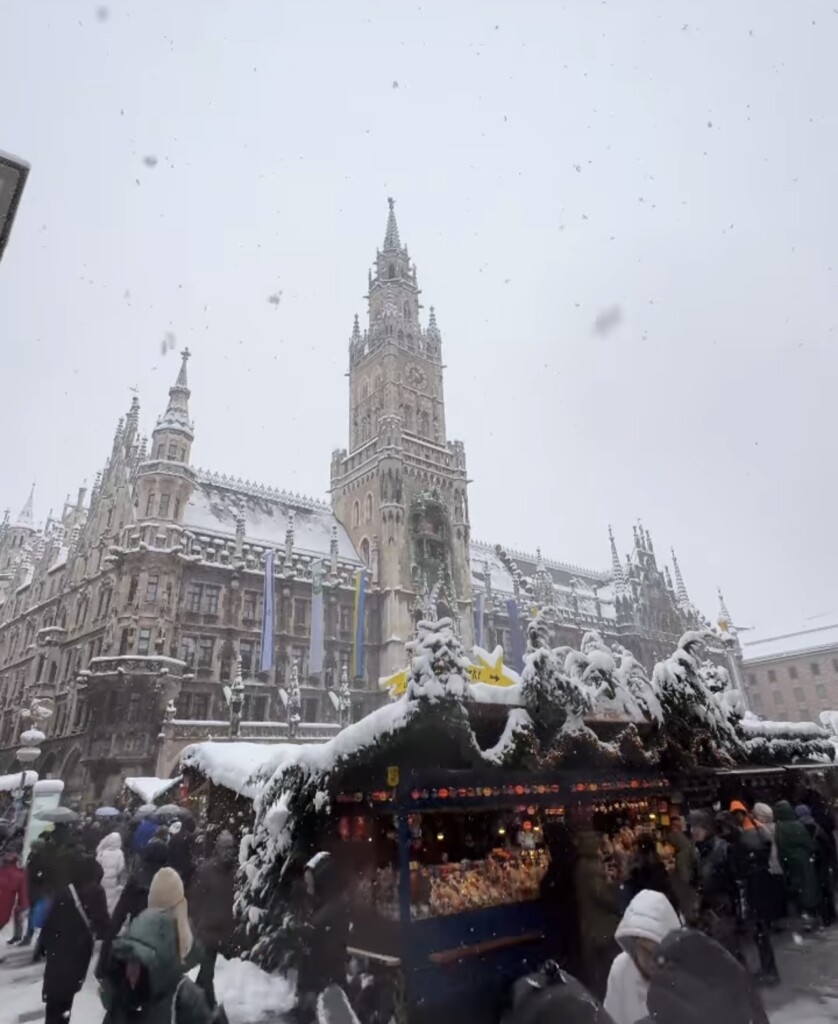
(166, 894)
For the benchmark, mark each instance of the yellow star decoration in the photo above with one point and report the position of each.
(489, 669)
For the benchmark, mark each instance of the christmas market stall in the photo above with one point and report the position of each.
(220, 779)
(453, 810)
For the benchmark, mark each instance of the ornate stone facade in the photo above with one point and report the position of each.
(132, 610)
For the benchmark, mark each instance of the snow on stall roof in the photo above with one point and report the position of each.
(48, 786)
(148, 788)
(753, 726)
(815, 633)
(236, 765)
(9, 783)
(213, 509)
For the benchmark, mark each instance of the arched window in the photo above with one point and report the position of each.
(172, 451)
(377, 381)
(164, 506)
(368, 507)
(149, 508)
(365, 551)
(407, 311)
(408, 418)
(365, 391)
(391, 271)
(356, 514)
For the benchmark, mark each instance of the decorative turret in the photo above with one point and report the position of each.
(289, 540)
(333, 550)
(680, 589)
(165, 479)
(725, 620)
(391, 235)
(620, 589)
(26, 517)
(543, 582)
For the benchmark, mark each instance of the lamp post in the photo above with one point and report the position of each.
(236, 699)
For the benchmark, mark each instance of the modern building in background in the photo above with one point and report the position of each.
(792, 675)
(135, 610)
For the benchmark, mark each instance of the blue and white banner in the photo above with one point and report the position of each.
(516, 636)
(479, 608)
(360, 607)
(268, 615)
(315, 646)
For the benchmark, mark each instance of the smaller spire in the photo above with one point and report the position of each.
(181, 381)
(356, 331)
(391, 235)
(27, 512)
(725, 620)
(680, 589)
(616, 568)
(289, 539)
(333, 549)
(432, 324)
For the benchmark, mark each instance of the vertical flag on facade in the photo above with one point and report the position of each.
(358, 642)
(479, 608)
(516, 636)
(268, 615)
(315, 646)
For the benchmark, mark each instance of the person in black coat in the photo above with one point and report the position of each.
(558, 896)
(324, 962)
(133, 899)
(648, 871)
(181, 849)
(750, 851)
(79, 916)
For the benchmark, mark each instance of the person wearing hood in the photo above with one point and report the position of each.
(797, 855)
(764, 821)
(742, 815)
(211, 902)
(696, 981)
(112, 861)
(751, 857)
(328, 932)
(181, 848)
(77, 918)
(145, 981)
(823, 864)
(649, 918)
(648, 871)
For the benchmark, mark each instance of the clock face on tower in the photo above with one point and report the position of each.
(416, 377)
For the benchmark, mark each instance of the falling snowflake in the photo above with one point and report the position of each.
(102, 13)
(150, 160)
(275, 299)
(607, 320)
(395, 84)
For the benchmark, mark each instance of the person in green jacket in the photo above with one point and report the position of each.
(796, 850)
(144, 980)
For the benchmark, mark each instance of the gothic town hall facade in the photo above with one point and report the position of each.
(134, 609)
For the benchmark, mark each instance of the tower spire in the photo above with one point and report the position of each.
(181, 381)
(176, 416)
(616, 567)
(391, 235)
(680, 589)
(27, 512)
(725, 620)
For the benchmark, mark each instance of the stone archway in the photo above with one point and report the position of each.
(47, 769)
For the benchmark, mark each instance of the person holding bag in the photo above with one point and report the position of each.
(78, 916)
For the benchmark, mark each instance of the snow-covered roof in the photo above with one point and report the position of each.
(236, 765)
(752, 726)
(148, 788)
(9, 783)
(588, 584)
(817, 633)
(215, 504)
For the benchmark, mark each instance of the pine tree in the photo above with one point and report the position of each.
(543, 690)
(438, 667)
(631, 675)
(696, 728)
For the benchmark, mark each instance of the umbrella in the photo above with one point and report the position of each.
(57, 814)
(171, 811)
(106, 812)
(143, 811)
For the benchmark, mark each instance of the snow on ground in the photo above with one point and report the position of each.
(248, 994)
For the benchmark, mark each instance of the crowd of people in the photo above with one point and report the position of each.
(140, 888)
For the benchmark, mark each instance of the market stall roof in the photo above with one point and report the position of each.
(148, 788)
(241, 767)
(9, 783)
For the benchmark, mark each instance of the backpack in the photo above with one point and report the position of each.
(550, 996)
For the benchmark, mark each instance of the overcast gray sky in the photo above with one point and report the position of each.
(549, 161)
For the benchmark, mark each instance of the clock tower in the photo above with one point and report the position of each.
(400, 489)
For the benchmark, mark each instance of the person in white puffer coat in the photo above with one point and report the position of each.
(649, 918)
(112, 861)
